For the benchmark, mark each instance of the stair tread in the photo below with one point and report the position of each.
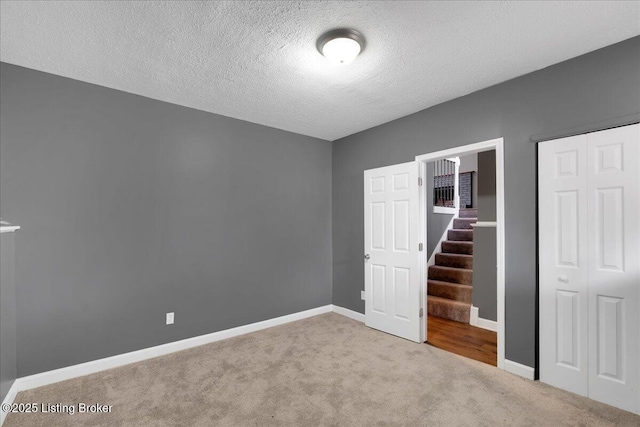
(457, 247)
(442, 282)
(460, 235)
(448, 309)
(444, 267)
(462, 242)
(468, 213)
(450, 291)
(464, 223)
(463, 276)
(450, 254)
(448, 259)
(448, 301)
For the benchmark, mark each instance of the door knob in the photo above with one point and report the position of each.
(563, 279)
(367, 256)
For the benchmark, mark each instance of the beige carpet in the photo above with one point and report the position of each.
(326, 370)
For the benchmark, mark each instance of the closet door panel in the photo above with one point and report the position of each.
(562, 168)
(614, 266)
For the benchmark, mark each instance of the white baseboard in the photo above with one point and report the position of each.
(519, 369)
(476, 320)
(8, 399)
(349, 313)
(57, 375)
(473, 316)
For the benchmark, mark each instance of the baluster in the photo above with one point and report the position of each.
(439, 167)
(437, 180)
(445, 190)
(453, 180)
(448, 181)
(450, 174)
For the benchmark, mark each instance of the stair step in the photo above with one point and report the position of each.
(464, 223)
(460, 235)
(452, 291)
(462, 276)
(468, 213)
(448, 309)
(457, 247)
(455, 260)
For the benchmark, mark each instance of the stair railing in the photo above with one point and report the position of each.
(446, 195)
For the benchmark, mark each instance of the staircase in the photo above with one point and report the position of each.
(450, 283)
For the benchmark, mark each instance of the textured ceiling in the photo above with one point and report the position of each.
(257, 61)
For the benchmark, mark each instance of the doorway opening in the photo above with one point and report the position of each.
(460, 211)
(460, 318)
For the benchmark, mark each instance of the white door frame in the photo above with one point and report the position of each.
(492, 144)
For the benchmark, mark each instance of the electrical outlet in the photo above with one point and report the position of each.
(363, 297)
(170, 318)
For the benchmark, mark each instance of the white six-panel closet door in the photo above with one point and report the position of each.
(589, 191)
(562, 187)
(613, 266)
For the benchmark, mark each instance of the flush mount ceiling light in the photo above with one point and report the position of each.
(341, 46)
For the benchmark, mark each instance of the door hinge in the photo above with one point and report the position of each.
(420, 181)
(421, 312)
(420, 247)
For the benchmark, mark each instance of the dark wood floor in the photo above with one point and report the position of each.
(463, 339)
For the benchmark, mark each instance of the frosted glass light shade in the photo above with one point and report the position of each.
(341, 46)
(341, 51)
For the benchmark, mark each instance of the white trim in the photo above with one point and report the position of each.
(50, 377)
(486, 224)
(500, 249)
(479, 322)
(348, 313)
(490, 325)
(444, 210)
(422, 171)
(461, 151)
(473, 315)
(456, 185)
(493, 144)
(519, 369)
(9, 228)
(438, 248)
(9, 398)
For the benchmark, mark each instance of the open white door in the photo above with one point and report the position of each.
(392, 257)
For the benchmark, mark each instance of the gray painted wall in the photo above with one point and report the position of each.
(598, 86)
(131, 208)
(485, 262)
(469, 163)
(436, 222)
(487, 186)
(8, 349)
(485, 279)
